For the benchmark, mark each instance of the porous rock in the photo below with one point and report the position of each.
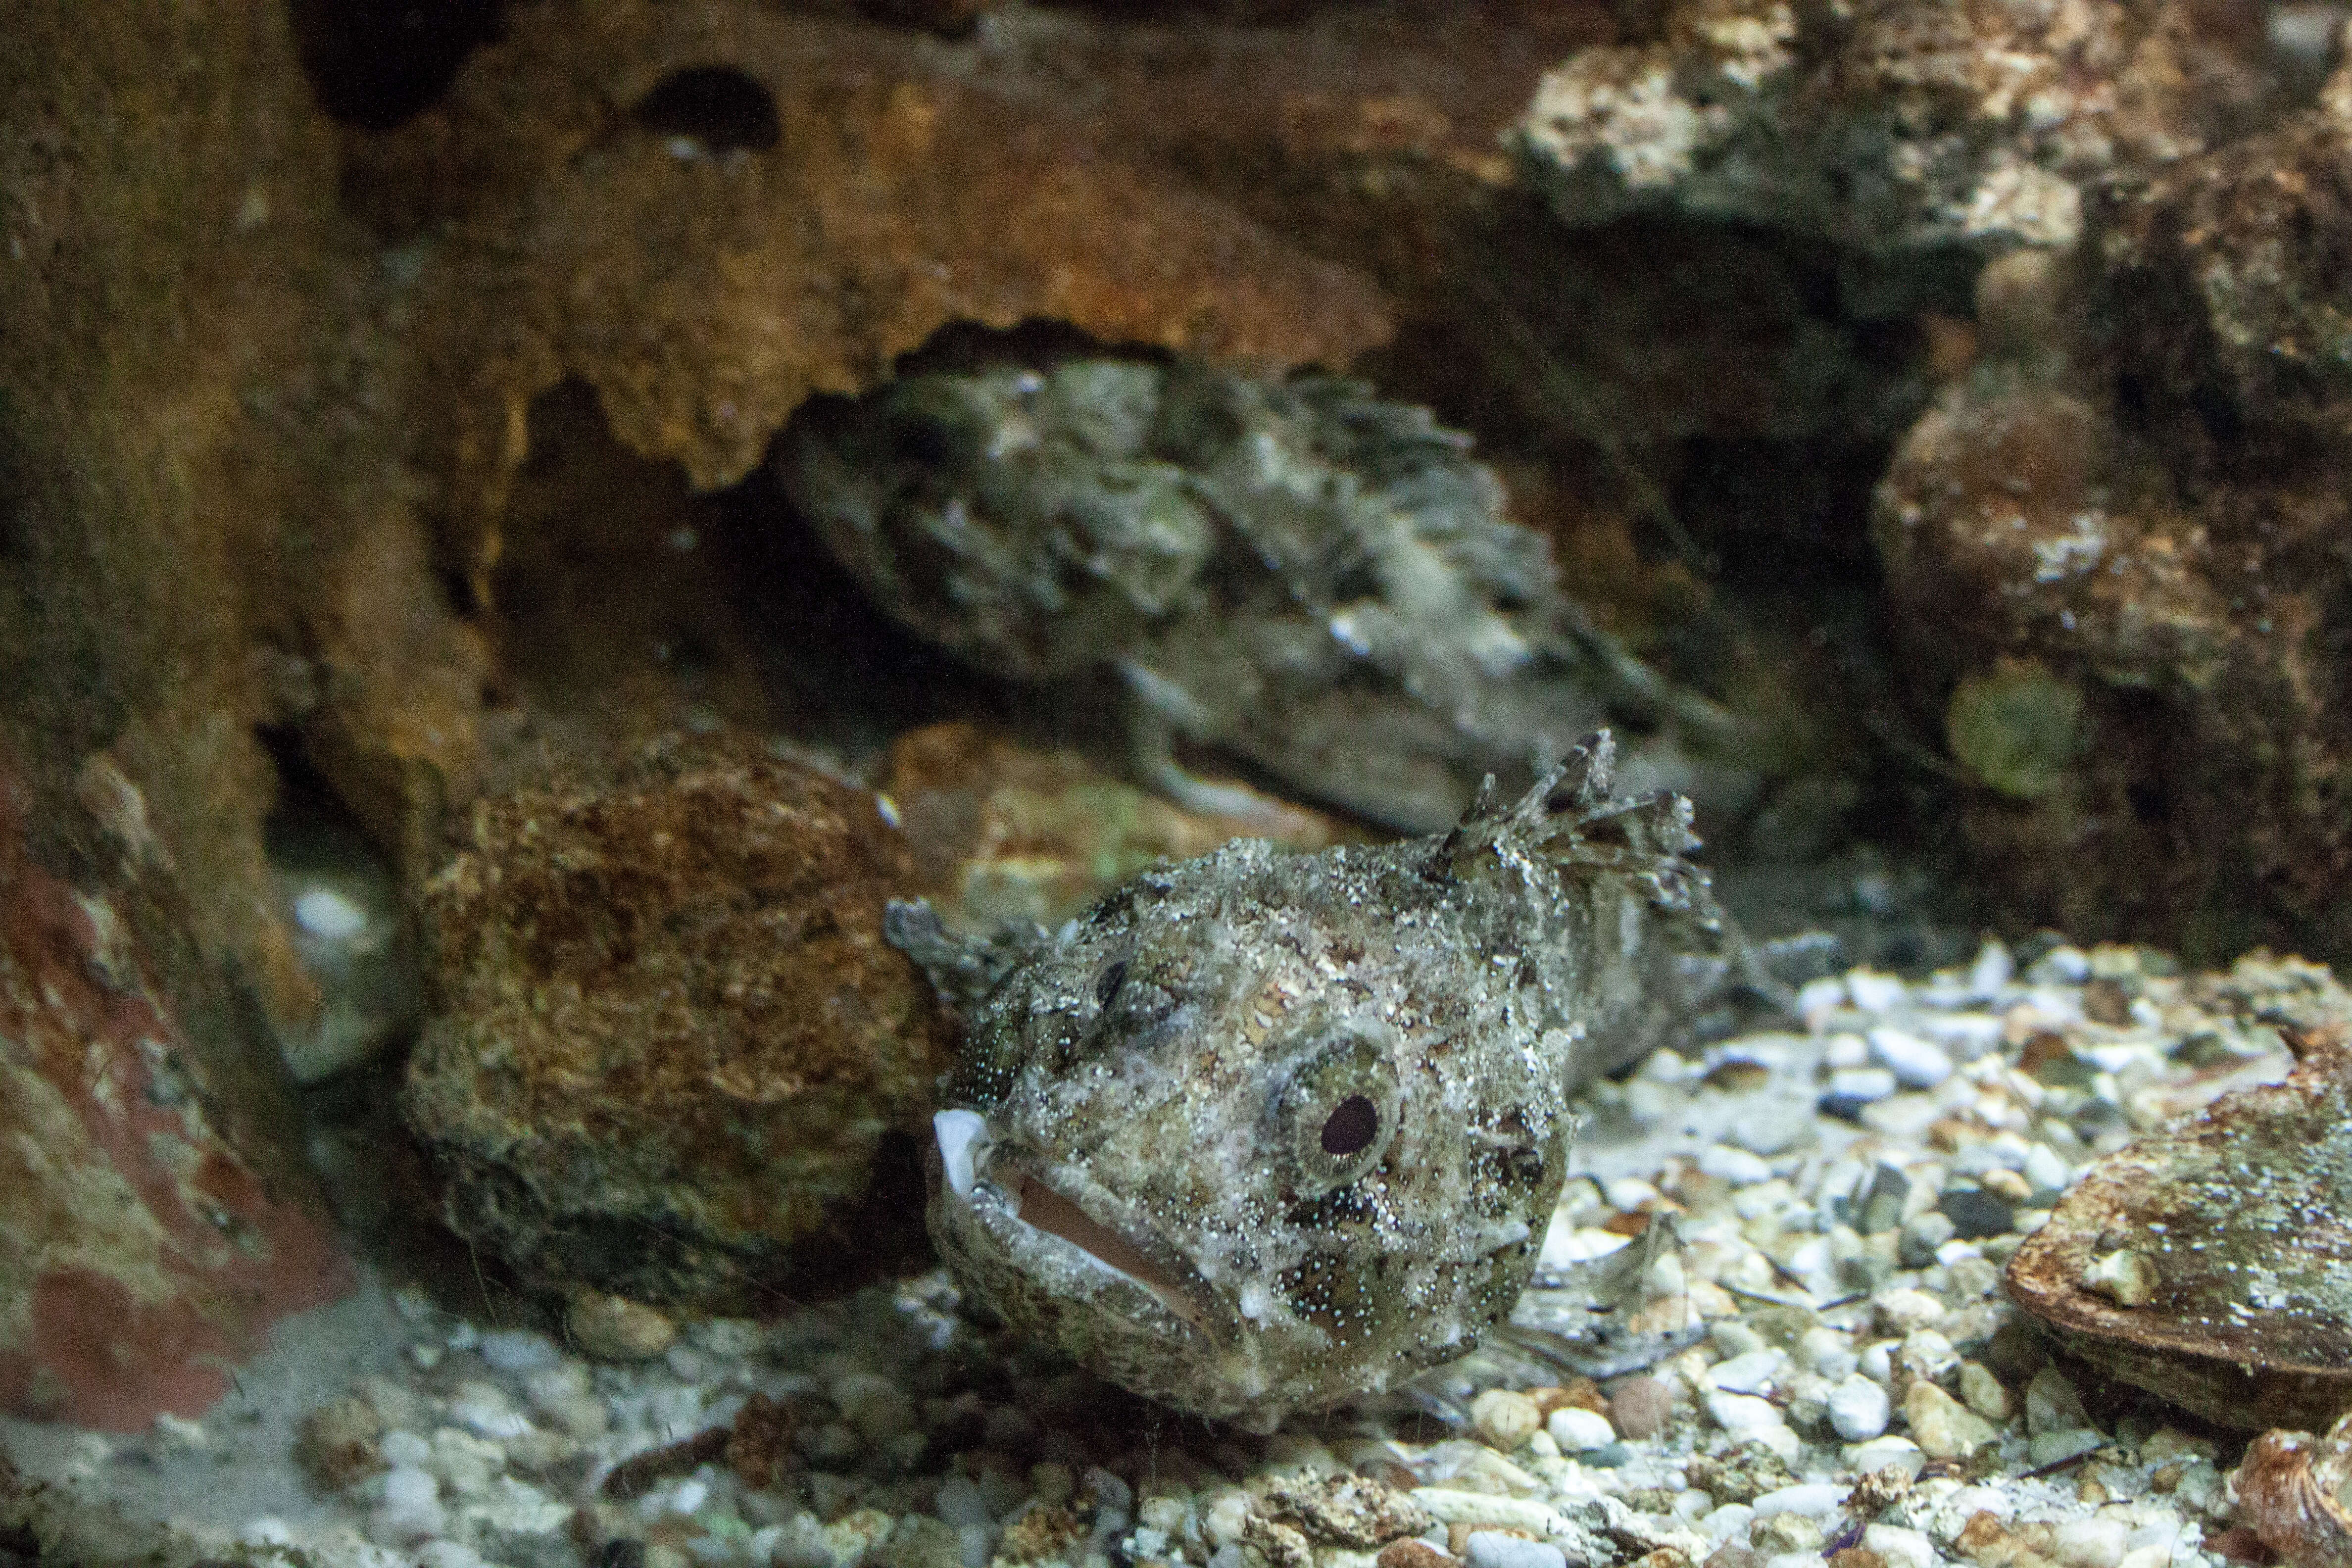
(670, 1046)
(2233, 1223)
(1891, 125)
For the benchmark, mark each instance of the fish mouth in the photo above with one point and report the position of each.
(969, 1160)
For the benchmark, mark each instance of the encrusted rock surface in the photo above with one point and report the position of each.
(143, 1253)
(2211, 1261)
(1885, 125)
(670, 1043)
(2114, 549)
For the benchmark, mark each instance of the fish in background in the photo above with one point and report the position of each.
(1296, 573)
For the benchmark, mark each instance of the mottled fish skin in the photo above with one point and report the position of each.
(1299, 572)
(1265, 1131)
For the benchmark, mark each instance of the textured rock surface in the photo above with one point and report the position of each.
(142, 1253)
(1001, 832)
(2211, 1261)
(2115, 552)
(669, 1042)
(1887, 125)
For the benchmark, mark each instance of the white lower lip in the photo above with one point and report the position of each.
(961, 1135)
(963, 1141)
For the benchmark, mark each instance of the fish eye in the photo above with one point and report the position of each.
(1335, 1109)
(1106, 984)
(1352, 1125)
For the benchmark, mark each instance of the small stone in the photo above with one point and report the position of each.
(1641, 1406)
(2046, 1172)
(519, 1351)
(1862, 1085)
(405, 1449)
(1738, 1166)
(1874, 993)
(1922, 1234)
(2057, 1447)
(337, 1443)
(2124, 1277)
(1579, 1431)
(1942, 1426)
(2089, 1542)
(1750, 1374)
(1414, 1553)
(1883, 1454)
(1505, 1420)
(1859, 1409)
(1878, 1205)
(1915, 1063)
(1976, 1212)
(1493, 1549)
(411, 1509)
(1902, 1310)
(2051, 1405)
(613, 1328)
(1900, 1548)
(1814, 1499)
(1983, 1392)
(1784, 1532)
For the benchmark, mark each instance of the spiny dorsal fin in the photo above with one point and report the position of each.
(1571, 818)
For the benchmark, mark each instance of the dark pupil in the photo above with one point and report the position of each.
(1108, 983)
(1352, 1126)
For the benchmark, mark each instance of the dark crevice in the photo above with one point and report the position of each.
(374, 64)
(717, 106)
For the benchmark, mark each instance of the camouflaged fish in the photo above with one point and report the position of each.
(1265, 1131)
(1298, 573)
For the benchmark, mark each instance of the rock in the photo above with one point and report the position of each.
(1001, 832)
(1578, 1431)
(1639, 1407)
(1942, 1426)
(669, 1042)
(336, 1443)
(1344, 1511)
(155, 1227)
(1899, 128)
(1505, 1420)
(1975, 1213)
(1859, 1409)
(2193, 1207)
(1493, 1549)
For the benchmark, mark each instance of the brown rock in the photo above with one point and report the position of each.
(336, 1442)
(1002, 832)
(2249, 1190)
(613, 1328)
(1639, 1407)
(1344, 1511)
(1413, 1552)
(671, 1047)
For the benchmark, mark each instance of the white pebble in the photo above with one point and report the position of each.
(1886, 1454)
(1753, 1372)
(412, 1504)
(1493, 1549)
(2089, 1542)
(1738, 1166)
(2046, 1169)
(2063, 965)
(1872, 992)
(1899, 1547)
(1993, 969)
(485, 1409)
(519, 1350)
(326, 914)
(1579, 1431)
(403, 1450)
(1813, 1500)
(1915, 1063)
(1865, 1084)
(1732, 1519)
(689, 1496)
(1859, 1409)
(1845, 1051)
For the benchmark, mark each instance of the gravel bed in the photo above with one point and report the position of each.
(1840, 1196)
